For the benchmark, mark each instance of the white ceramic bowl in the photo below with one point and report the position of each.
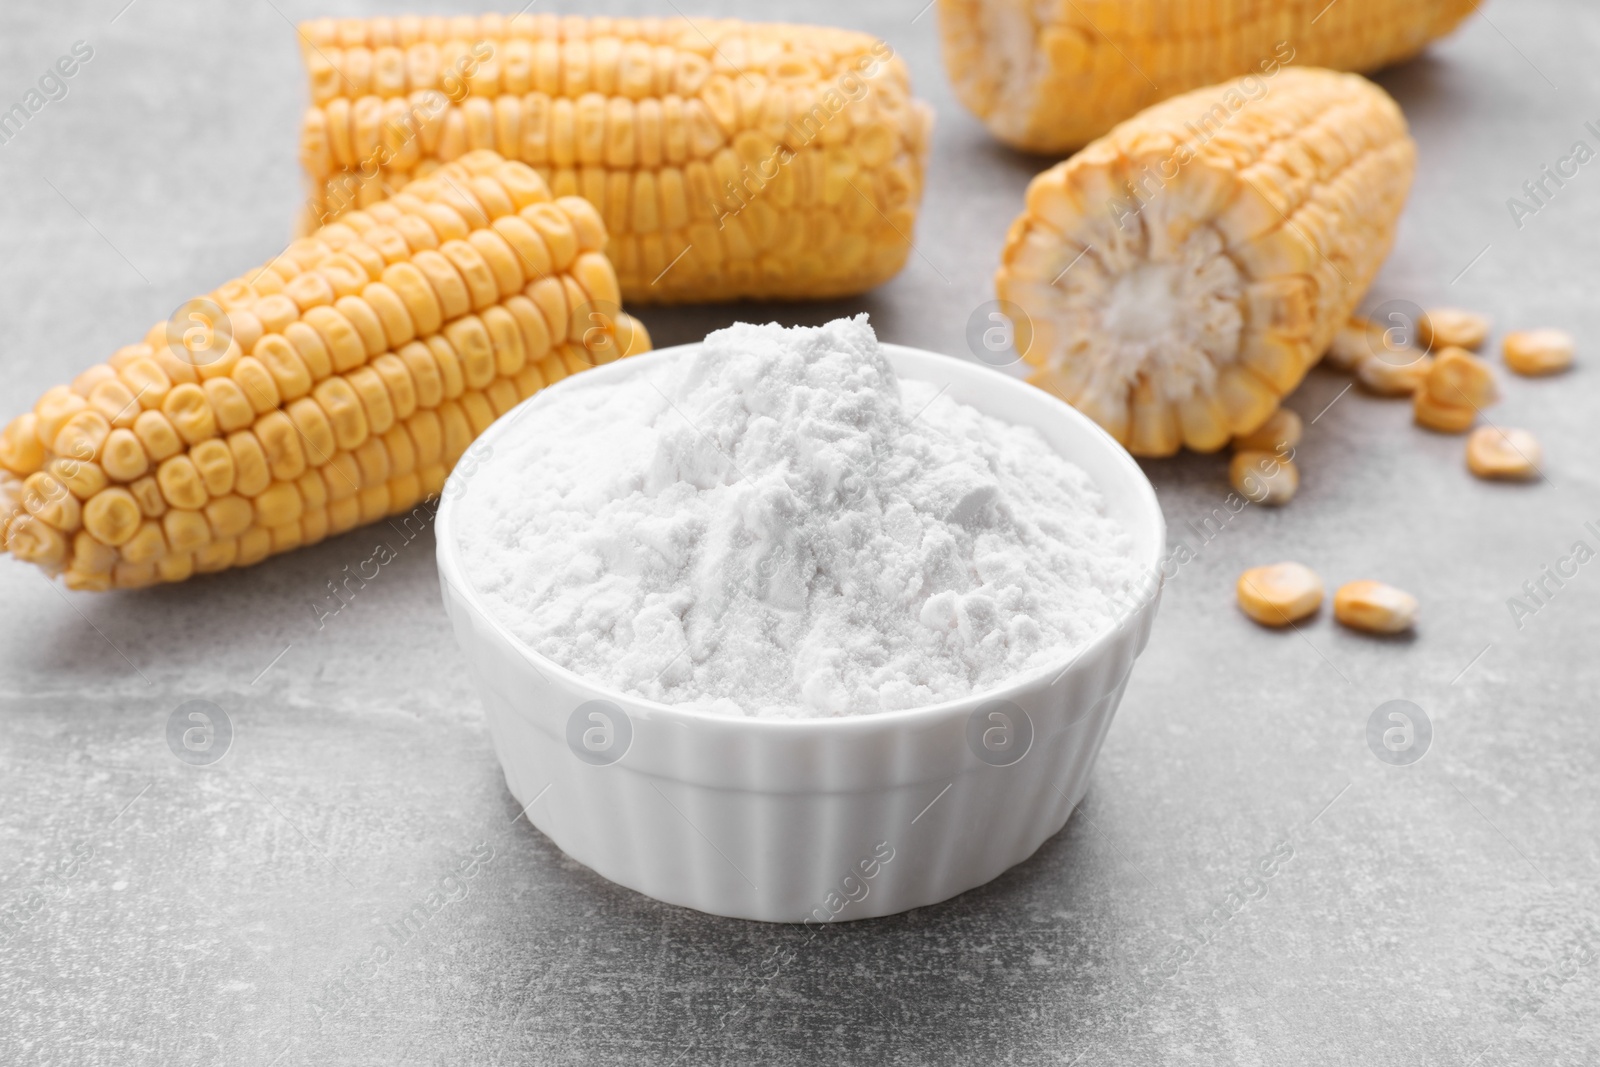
(818, 819)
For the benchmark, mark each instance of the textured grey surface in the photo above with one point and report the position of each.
(1443, 913)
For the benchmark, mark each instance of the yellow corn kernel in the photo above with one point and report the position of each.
(90, 555)
(34, 541)
(229, 516)
(228, 402)
(278, 504)
(180, 483)
(157, 435)
(1384, 376)
(374, 396)
(1279, 594)
(81, 436)
(214, 463)
(47, 500)
(113, 399)
(53, 409)
(1374, 607)
(316, 432)
(147, 491)
(1460, 379)
(1431, 414)
(1452, 327)
(251, 473)
(255, 544)
(175, 567)
(83, 478)
(21, 451)
(1264, 477)
(112, 515)
(185, 531)
(1501, 453)
(1537, 352)
(1280, 433)
(219, 555)
(123, 457)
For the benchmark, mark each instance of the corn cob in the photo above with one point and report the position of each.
(1180, 280)
(378, 348)
(1046, 77)
(727, 159)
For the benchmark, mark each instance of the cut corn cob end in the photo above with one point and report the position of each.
(337, 385)
(1177, 288)
(727, 159)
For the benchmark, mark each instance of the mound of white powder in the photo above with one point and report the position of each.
(779, 526)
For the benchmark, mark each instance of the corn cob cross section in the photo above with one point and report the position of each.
(335, 386)
(1050, 76)
(1182, 273)
(727, 159)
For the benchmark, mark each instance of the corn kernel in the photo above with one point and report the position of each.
(1280, 433)
(1279, 594)
(1442, 327)
(1503, 453)
(1400, 375)
(1461, 379)
(1535, 352)
(1374, 607)
(1430, 414)
(1264, 477)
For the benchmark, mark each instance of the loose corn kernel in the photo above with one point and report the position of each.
(1536, 352)
(1431, 414)
(1355, 341)
(1461, 379)
(1279, 594)
(1452, 327)
(1374, 607)
(1280, 433)
(1264, 477)
(1502, 453)
(1397, 376)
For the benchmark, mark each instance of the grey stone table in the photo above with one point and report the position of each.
(1442, 913)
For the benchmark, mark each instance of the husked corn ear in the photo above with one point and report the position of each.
(336, 385)
(1177, 288)
(726, 159)
(1046, 77)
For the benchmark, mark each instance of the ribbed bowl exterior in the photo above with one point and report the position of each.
(821, 819)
